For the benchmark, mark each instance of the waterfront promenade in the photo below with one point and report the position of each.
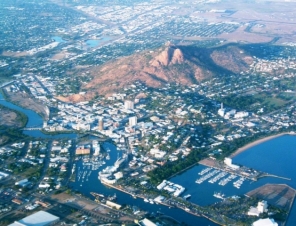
(177, 202)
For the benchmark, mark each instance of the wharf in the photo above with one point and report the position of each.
(193, 210)
(133, 194)
(242, 171)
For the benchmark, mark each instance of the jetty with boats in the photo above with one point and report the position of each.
(242, 171)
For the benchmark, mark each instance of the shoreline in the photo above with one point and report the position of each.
(257, 142)
(160, 203)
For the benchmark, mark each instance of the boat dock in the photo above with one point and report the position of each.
(243, 172)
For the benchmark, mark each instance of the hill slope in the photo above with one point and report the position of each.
(185, 65)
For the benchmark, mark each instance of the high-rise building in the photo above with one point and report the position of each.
(101, 124)
(221, 111)
(133, 121)
(128, 104)
(96, 147)
(262, 206)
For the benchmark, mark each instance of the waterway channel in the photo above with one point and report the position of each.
(92, 184)
(34, 120)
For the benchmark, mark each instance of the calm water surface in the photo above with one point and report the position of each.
(96, 42)
(276, 156)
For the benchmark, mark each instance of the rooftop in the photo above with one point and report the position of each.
(40, 218)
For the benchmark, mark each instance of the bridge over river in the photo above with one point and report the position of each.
(32, 128)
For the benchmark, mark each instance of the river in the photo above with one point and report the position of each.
(34, 120)
(93, 184)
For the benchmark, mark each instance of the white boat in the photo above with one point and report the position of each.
(204, 171)
(146, 200)
(219, 195)
(151, 201)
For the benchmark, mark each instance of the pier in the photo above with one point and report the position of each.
(32, 128)
(271, 175)
(243, 171)
(180, 203)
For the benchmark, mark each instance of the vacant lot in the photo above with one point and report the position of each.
(26, 101)
(279, 195)
(10, 118)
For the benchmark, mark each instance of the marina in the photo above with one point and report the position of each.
(239, 182)
(214, 175)
(207, 176)
(88, 165)
(227, 180)
(204, 171)
(217, 177)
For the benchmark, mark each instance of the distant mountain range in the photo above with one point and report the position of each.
(184, 65)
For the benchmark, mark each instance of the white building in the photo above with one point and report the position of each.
(265, 222)
(146, 222)
(228, 162)
(97, 151)
(230, 114)
(133, 121)
(128, 104)
(44, 185)
(221, 111)
(157, 153)
(262, 206)
(241, 114)
(21, 182)
(253, 211)
(40, 218)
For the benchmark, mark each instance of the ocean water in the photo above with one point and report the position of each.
(276, 156)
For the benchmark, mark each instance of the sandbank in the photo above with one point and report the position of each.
(244, 148)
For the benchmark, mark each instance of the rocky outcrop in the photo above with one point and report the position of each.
(169, 56)
(171, 64)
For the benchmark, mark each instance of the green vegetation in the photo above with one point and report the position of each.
(240, 102)
(169, 169)
(10, 135)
